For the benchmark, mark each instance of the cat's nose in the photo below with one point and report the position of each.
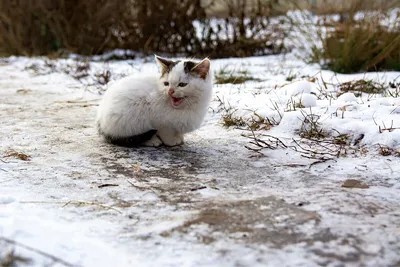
(171, 91)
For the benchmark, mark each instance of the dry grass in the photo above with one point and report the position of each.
(364, 37)
(255, 123)
(393, 90)
(384, 128)
(224, 76)
(315, 142)
(11, 259)
(310, 127)
(258, 123)
(362, 86)
(103, 77)
(385, 151)
(362, 42)
(319, 150)
(343, 140)
(229, 120)
(361, 46)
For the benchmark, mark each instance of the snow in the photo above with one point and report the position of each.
(308, 100)
(276, 98)
(396, 110)
(37, 228)
(299, 87)
(211, 202)
(347, 97)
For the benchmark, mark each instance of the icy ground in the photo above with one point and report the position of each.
(69, 199)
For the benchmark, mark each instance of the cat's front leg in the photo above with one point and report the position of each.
(170, 137)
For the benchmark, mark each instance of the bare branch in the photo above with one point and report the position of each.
(42, 253)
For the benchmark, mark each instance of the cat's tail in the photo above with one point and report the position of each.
(130, 141)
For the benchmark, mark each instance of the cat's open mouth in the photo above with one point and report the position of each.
(176, 101)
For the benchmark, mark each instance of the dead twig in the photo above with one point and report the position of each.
(76, 203)
(312, 152)
(320, 149)
(143, 188)
(398, 107)
(84, 203)
(389, 129)
(106, 185)
(40, 252)
(11, 259)
(18, 155)
(318, 162)
(78, 101)
(198, 188)
(136, 186)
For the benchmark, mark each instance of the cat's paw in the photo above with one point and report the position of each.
(172, 140)
(153, 142)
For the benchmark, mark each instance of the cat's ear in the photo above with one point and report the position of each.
(202, 68)
(165, 64)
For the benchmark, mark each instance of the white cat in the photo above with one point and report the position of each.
(154, 109)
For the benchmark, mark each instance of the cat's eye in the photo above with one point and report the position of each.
(182, 84)
(166, 83)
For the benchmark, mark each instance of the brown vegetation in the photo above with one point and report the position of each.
(43, 27)
(367, 41)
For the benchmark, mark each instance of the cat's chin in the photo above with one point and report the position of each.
(176, 102)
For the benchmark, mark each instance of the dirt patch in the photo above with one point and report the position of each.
(265, 220)
(353, 183)
(174, 179)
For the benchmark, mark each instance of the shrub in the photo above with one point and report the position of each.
(42, 27)
(245, 31)
(361, 48)
(362, 39)
(162, 26)
(359, 36)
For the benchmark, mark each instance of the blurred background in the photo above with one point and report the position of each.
(343, 35)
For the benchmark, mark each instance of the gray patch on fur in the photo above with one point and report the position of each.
(188, 66)
(127, 141)
(130, 141)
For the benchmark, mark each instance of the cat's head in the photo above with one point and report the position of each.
(185, 82)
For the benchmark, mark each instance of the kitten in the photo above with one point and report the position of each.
(154, 109)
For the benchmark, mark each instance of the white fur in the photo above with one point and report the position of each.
(137, 104)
